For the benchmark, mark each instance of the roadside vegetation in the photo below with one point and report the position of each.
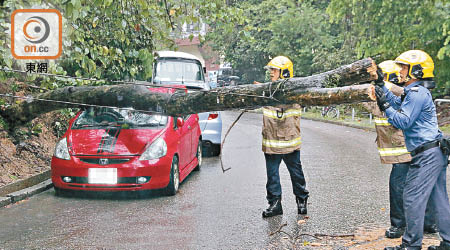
(319, 35)
(360, 118)
(114, 41)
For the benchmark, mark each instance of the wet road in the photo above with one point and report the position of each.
(348, 189)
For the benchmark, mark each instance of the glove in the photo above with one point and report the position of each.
(379, 81)
(381, 98)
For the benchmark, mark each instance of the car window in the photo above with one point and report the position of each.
(225, 72)
(178, 70)
(127, 118)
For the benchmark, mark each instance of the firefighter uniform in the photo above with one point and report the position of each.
(415, 114)
(282, 141)
(392, 150)
(426, 178)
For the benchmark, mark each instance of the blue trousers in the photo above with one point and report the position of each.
(294, 166)
(396, 186)
(426, 180)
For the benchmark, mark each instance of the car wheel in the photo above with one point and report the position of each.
(333, 113)
(199, 156)
(210, 149)
(215, 149)
(174, 183)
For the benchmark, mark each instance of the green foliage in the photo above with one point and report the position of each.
(323, 34)
(299, 30)
(36, 129)
(109, 39)
(61, 122)
(3, 124)
(384, 29)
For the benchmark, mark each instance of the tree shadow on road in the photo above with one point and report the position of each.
(108, 195)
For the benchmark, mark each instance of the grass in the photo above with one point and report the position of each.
(445, 129)
(359, 121)
(346, 119)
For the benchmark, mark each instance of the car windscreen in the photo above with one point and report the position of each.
(96, 117)
(225, 72)
(176, 70)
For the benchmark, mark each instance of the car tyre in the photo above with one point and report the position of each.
(199, 156)
(211, 150)
(174, 183)
(215, 149)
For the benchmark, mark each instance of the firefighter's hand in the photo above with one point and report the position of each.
(380, 78)
(255, 82)
(381, 98)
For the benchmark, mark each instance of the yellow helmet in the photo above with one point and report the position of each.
(420, 63)
(284, 65)
(391, 70)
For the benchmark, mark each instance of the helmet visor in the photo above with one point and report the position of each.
(401, 62)
(270, 67)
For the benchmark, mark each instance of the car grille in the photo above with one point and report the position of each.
(120, 180)
(89, 186)
(110, 160)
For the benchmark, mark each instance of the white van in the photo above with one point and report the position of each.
(180, 68)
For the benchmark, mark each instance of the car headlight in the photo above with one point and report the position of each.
(157, 150)
(61, 150)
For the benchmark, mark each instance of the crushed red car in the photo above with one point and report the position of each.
(111, 149)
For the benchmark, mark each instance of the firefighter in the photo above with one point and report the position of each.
(281, 141)
(414, 113)
(392, 150)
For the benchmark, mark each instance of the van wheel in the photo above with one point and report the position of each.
(199, 156)
(174, 183)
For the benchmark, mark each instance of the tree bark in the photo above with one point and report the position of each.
(304, 91)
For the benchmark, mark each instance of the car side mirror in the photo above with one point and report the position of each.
(204, 70)
(180, 122)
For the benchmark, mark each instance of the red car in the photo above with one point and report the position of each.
(108, 149)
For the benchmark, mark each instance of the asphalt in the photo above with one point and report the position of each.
(30, 189)
(213, 210)
(26, 188)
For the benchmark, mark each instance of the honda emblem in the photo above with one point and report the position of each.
(103, 161)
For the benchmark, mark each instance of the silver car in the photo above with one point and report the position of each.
(175, 68)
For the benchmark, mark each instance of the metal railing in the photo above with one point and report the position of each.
(441, 100)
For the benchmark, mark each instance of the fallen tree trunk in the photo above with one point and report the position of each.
(304, 91)
(225, 100)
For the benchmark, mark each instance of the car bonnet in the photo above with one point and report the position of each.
(111, 141)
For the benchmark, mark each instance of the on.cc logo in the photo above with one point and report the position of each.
(36, 34)
(40, 36)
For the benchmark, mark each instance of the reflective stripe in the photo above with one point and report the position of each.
(382, 122)
(287, 113)
(392, 151)
(282, 144)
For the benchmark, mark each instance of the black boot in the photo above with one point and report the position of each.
(274, 208)
(301, 205)
(431, 229)
(401, 247)
(443, 246)
(394, 232)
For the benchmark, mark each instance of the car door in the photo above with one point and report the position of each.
(185, 143)
(193, 123)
